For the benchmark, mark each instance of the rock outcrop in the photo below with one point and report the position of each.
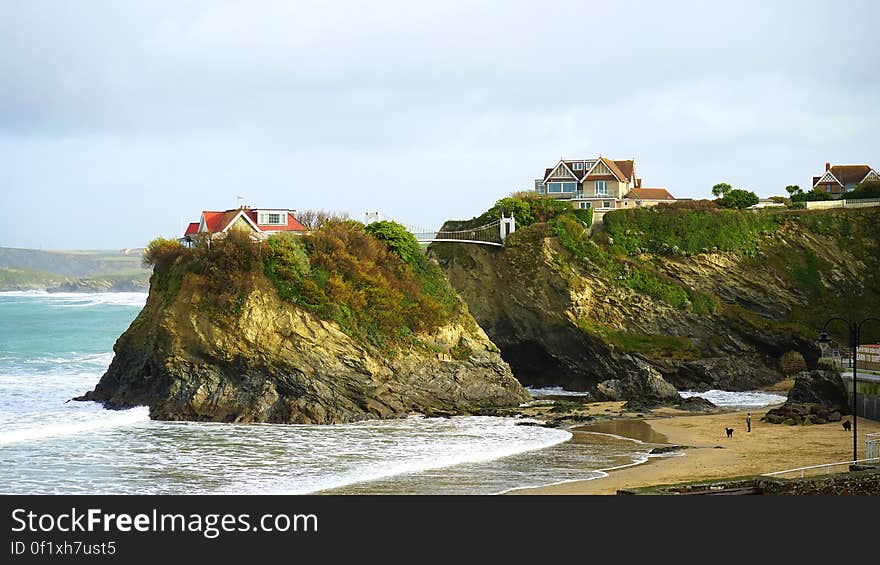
(275, 362)
(818, 397)
(559, 320)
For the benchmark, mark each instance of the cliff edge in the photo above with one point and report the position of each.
(227, 347)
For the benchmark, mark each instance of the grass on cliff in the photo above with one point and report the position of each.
(623, 272)
(664, 229)
(373, 281)
(654, 346)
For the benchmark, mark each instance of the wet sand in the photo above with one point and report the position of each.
(711, 454)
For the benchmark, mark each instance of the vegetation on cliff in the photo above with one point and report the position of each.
(373, 281)
(710, 297)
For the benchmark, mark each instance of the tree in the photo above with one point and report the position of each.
(398, 239)
(739, 199)
(792, 363)
(793, 189)
(721, 189)
(314, 219)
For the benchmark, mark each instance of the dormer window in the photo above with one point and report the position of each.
(579, 166)
(272, 218)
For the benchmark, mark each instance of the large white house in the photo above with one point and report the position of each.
(599, 183)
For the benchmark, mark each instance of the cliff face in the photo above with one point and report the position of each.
(563, 321)
(275, 362)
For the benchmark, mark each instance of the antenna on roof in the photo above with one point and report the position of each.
(238, 200)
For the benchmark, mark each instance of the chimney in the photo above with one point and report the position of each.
(827, 166)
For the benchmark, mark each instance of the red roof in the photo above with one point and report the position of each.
(872, 346)
(219, 221)
(292, 223)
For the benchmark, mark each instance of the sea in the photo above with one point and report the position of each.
(55, 346)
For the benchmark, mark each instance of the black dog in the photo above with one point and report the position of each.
(847, 426)
(729, 432)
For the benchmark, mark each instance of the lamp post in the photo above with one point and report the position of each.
(855, 329)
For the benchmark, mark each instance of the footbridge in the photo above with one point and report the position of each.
(494, 233)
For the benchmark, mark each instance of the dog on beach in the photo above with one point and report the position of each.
(847, 426)
(729, 432)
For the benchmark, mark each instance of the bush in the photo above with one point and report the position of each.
(812, 196)
(792, 363)
(226, 266)
(162, 252)
(663, 228)
(870, 189)
(688, 205)
(739, 199)
(286, 264)
(398, 239)
(527, 207)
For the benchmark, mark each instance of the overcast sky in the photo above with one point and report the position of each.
(121, 121)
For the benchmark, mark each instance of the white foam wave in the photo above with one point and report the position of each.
(81, 299)
(101, 420)
(538, 438)
(554, 391)
(748, 399)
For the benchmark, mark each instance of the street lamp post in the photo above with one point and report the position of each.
(855, 330)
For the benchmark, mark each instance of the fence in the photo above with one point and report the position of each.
(872, 446)
(843, 203)
(825, 468)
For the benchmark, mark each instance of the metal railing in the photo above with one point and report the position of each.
(817, 469)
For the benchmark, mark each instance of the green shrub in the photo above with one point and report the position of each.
(665, 229)
(869, 189)
(398, 239)
(739, 199)
(162, 252)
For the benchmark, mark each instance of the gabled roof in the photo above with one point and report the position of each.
(221, 221)
(614, 168)
(622, 170)
(191, 229)
(626, 167)
(565, 168)
(650, 194)
(850, 173)
(844, 174)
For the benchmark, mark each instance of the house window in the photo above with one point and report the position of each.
(601, 187)
(579, 166)
(584, 205)
(558, 187)
(638, 202)
(271, 218)
(606, 204)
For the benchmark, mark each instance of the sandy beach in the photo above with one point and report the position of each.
(710, 453)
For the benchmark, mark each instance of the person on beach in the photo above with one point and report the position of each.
(748, 421)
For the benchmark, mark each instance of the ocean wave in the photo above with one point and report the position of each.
(95, 421)
(747, 399)
(442, 456)
(554, 391)
(81, 299)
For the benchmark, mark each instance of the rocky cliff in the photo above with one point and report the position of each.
(611, 316)
(266, 359)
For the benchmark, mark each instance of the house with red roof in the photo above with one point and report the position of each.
(260, 223)
(601, 184)
(839, 179)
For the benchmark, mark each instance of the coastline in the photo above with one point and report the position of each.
(708, 453)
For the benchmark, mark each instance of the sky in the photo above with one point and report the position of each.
(121, 121)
